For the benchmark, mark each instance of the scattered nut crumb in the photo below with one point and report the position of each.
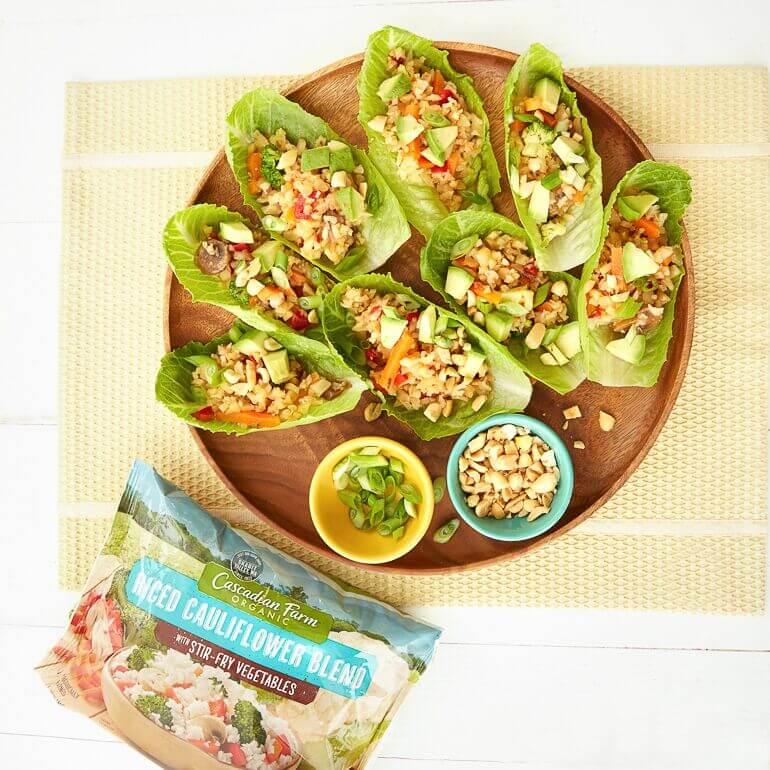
(565, 426)
(572, 413)
(606, 421)
(507, 471)
(372, 411)
(578, 445)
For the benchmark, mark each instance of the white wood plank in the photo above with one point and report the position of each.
(564, 707)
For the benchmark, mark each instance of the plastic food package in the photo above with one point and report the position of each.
(205, 647)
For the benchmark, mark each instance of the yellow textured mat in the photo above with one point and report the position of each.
(687, 532)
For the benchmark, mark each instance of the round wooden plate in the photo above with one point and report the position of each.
(270, 473)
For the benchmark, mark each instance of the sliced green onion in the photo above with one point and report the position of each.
(551, 181)
(435, 118)
(541, 294)
(410, 493)
(234, 333)
(446, 531)
(439, 488)
(524, 117)
(311, 303)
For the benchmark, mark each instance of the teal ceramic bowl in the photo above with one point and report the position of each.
(515, 528)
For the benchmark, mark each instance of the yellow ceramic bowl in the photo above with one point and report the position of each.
(330, 515)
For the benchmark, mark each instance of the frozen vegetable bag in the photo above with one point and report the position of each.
(205, 647)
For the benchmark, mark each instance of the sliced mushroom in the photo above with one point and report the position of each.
(212, 257)
(213, 727)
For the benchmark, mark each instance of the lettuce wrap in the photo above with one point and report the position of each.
(176, 390)
(509, 389)
(643, 216)
(368, 207)
(559, 198)
(185, 238)
(453, 245)
(421, 184)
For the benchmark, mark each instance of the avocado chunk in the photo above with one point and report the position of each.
(426, 325)
(558, 356)
(314, 158)
(251, 343)
(267, 253)
(547, 91)
(341, 157)
(633, 207)
(568, 341)
(236, 232)
(499, 325)
(637, 263)
(273, 224)
(395, 86)
(408, 128)
(517, 302)
(472, 365)
(378, 123)
(440, 140)
(629, 348)
(457, 283)
(277, 365)
(539, 203)
(351, 203)
(568, 150)
(391, 330)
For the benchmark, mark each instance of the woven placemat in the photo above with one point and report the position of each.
(687, 532)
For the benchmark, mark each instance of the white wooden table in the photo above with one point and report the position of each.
(509, 687)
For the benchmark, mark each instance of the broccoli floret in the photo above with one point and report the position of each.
(538, 133)
(155, 704)
(139, 658)
(247, 720)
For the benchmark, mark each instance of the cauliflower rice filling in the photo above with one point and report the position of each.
(262, 274)
(639, 303)
(551, 145)
(430, 130)
(310, 209)
(204, 706)
(431, 377)
(504, 270)
(248, 389)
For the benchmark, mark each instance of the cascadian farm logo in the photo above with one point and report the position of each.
(247, 565)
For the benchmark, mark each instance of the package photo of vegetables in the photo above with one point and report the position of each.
(399, 357)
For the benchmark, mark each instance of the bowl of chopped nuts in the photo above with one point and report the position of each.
(510, 477)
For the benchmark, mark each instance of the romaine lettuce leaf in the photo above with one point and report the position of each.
(436, 258)
(181, 240)
(421, 203)
(511, 387)
(579, 242)
(174, 389)
(265, 110)
(672, 186)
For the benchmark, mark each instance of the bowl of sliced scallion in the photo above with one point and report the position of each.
(371, 499)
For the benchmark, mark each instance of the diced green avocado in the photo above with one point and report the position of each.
(408, 128)
(442, 322)
(236, 232)
(395, 86)
(274, 224)
(315, 157)
(267, 253)
(341, 157)
(555, 351)
(568, 341)
(517, 302)
(548, 92)
(637, 263)
(435, 118)
(378, 123)
(632, 207)
(351, 202)
(568, 150)
(539, 203)
(436, 160)
(391, 330)
(581, 168)
(440, 140)
(277, 365)
(472, 365)
(251, 343)
(499, 325)
(426, 325)
(629, 348)
(457, 283)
